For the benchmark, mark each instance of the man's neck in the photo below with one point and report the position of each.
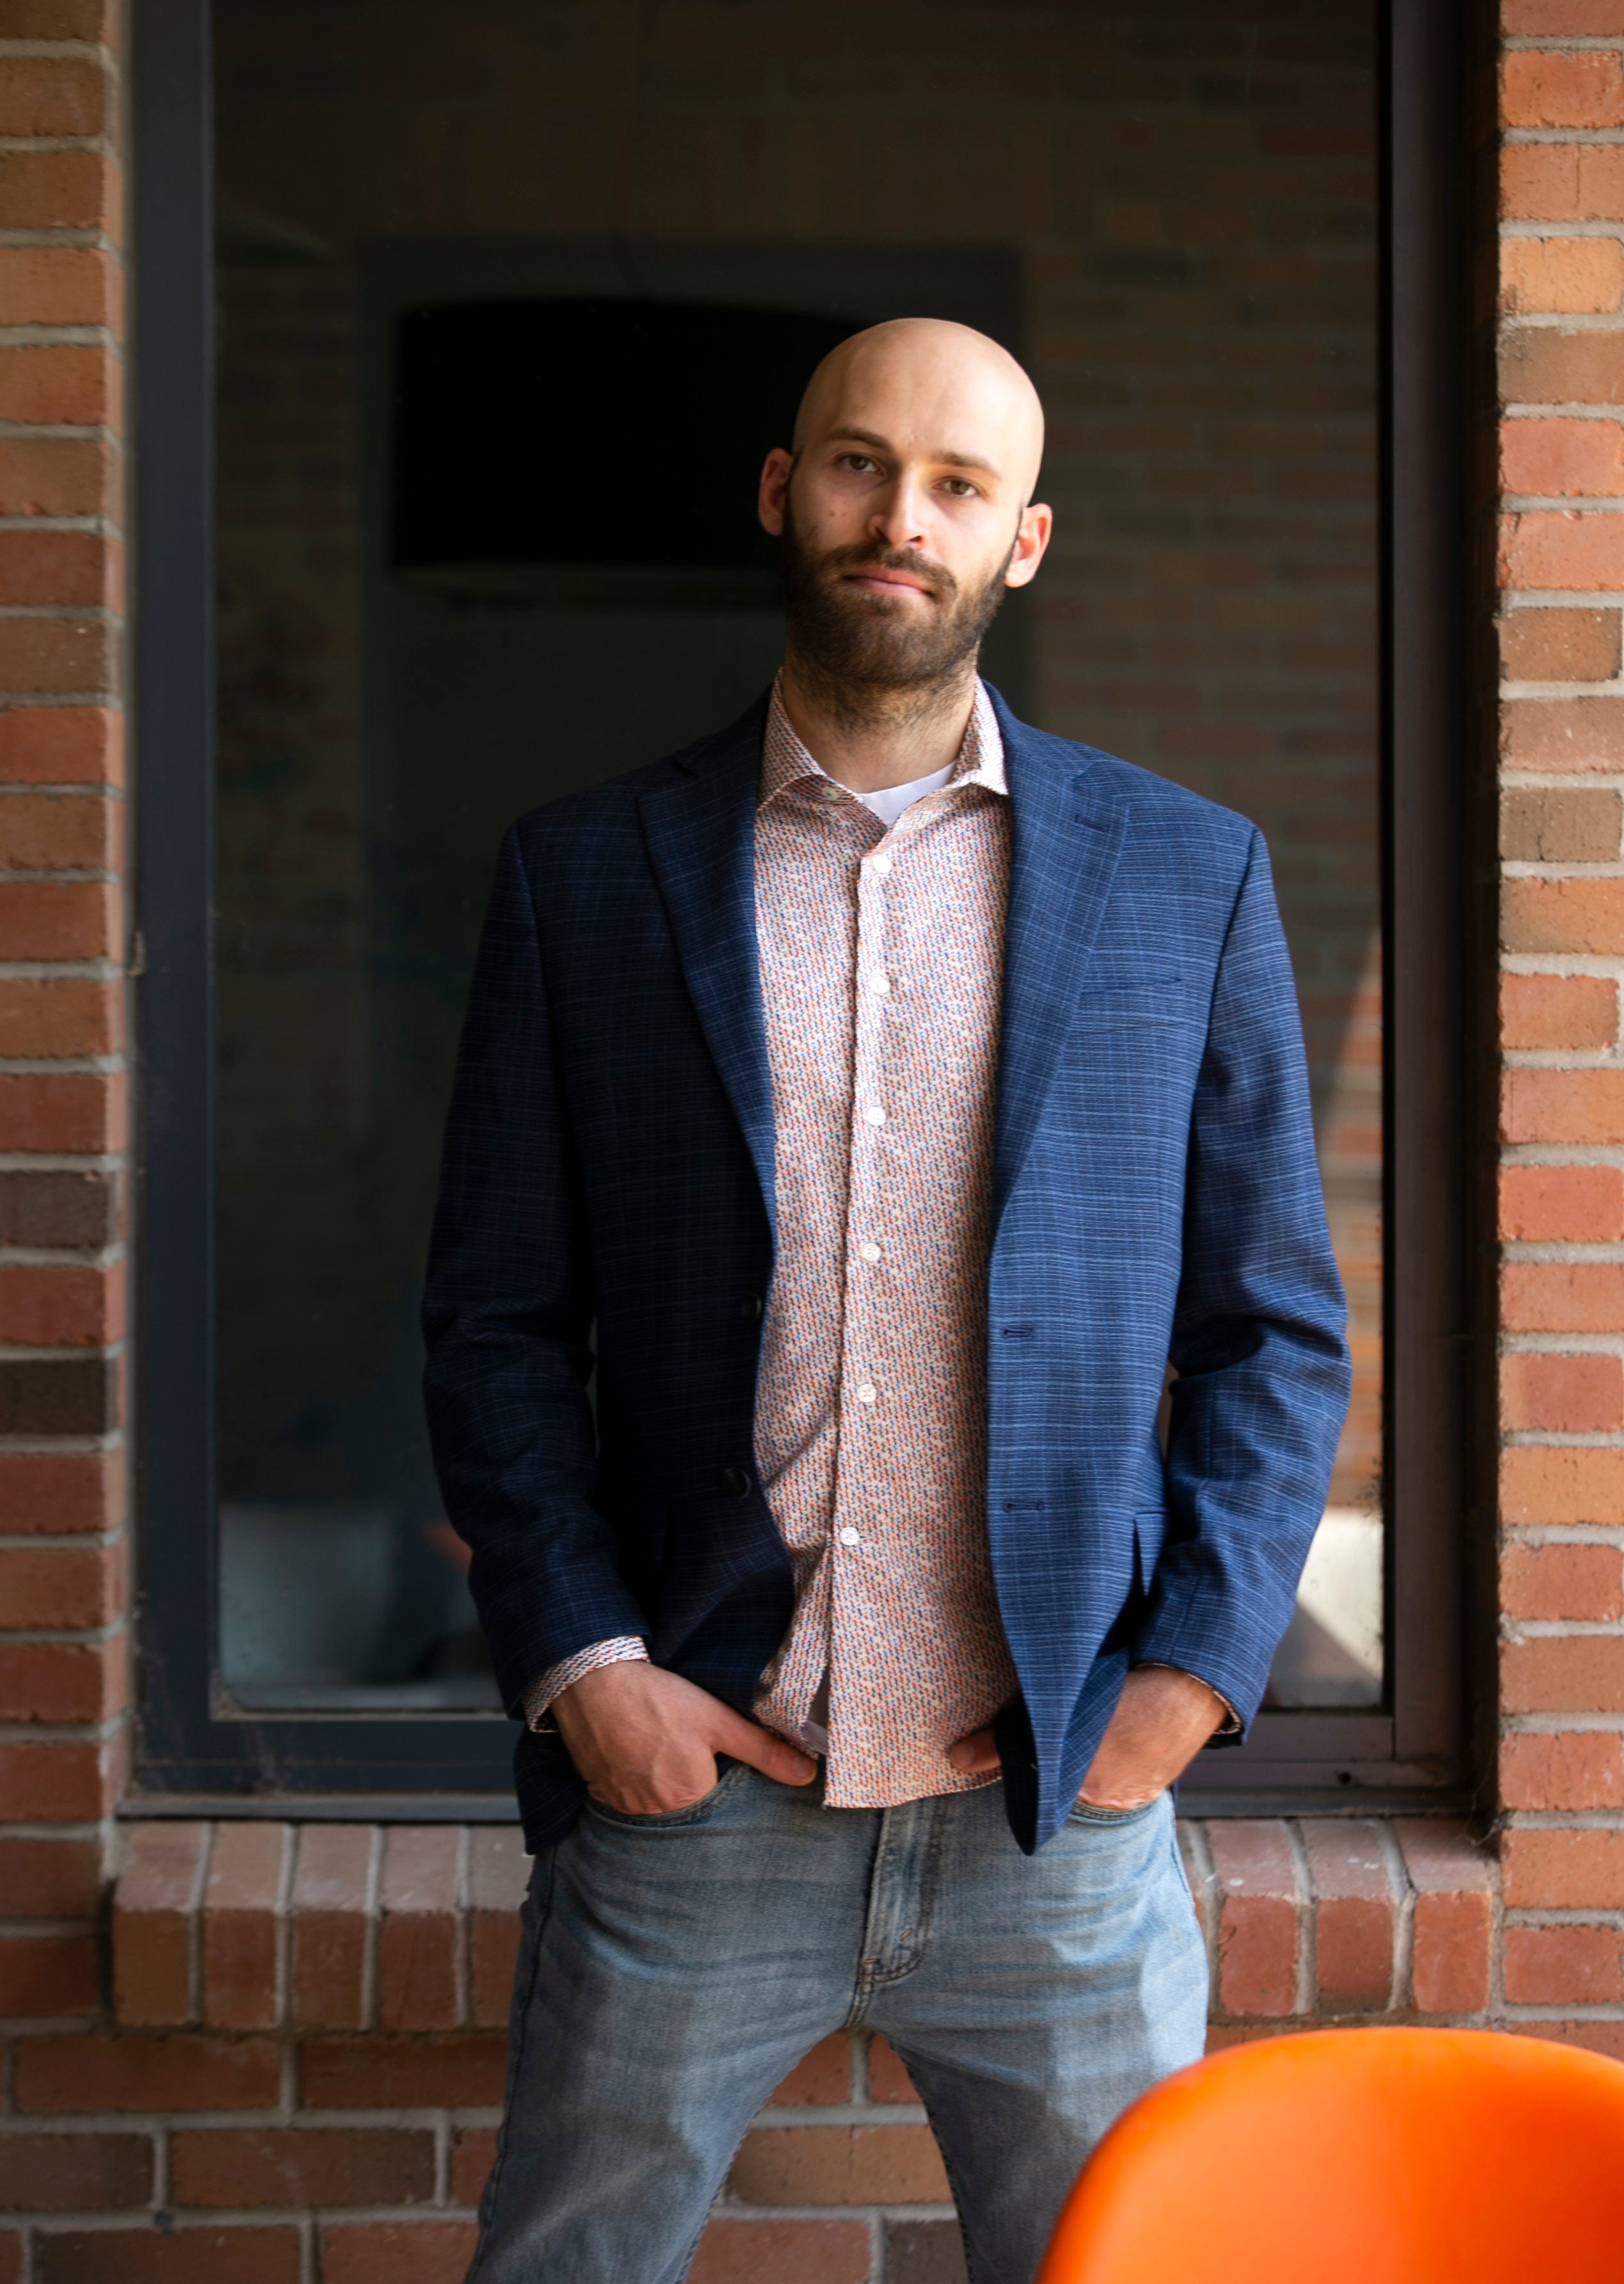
(870, 740)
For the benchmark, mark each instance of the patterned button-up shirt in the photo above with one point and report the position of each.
(881, 955)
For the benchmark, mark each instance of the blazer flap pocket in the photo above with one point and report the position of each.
(1150, 1529)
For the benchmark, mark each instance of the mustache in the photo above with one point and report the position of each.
(934, 576)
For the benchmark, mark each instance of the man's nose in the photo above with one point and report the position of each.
(899, 516)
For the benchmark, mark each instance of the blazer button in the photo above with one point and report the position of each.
(750, 1308)
(735, 1483)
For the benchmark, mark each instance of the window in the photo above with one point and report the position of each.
(507, 307)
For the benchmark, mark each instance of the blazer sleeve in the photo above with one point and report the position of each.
(1259, 1340)
(507, 1314)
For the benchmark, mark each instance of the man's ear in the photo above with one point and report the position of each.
(775, 471)
(1032, 538)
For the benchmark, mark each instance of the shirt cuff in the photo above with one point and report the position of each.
(621, 1649)
(1230, 1726)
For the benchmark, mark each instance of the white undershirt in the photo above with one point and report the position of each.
(889, 802)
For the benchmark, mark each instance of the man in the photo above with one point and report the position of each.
(879, 1093)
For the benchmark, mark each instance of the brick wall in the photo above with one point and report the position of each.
(1562, 1184)
(275, 2058)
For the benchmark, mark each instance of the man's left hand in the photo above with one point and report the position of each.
(1162, 1719)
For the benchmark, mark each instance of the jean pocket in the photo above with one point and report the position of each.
(665, 1819)
(1082, 1812)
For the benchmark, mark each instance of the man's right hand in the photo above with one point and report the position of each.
(646, 1741)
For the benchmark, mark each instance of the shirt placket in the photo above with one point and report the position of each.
(857, 1529)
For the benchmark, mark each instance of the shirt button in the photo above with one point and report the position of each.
(870, 1252)
(881, 864)
(850, 1537)
(827, 792)
(879, 981)
(875, 1116)
(868, 1393)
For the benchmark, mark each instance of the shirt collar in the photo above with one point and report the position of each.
(979, 760)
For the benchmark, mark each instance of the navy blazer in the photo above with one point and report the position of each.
(606, 1201)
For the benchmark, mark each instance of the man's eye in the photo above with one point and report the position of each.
(961, 488)
(858, 462)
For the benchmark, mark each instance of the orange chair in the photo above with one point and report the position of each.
(1359, 2157)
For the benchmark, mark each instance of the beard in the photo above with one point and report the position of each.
(867, 654)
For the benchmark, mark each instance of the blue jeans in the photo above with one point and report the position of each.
(674, 1969)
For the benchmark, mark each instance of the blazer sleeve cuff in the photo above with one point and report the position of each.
(621, 1649)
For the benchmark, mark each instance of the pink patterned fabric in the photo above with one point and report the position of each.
(881, 961)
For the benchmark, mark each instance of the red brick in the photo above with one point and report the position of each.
(252, 2166)
(418, 1936)
(1545, 1012)
(407, 2252)
(75, 388)
(1562, 182)
(1567, 824)
(1571, 1484)
(1582, 1769)
(45, 568)
(241, 1925)
(1560, 275)
(1543, 1205)
(499, 1874)
(1562, 1870)
(1555, 458)
(72, 1016)
(60, 285)
(1594, 2038)
(92, 20)
(55, 1783)
(62, 2075)
(1546, 365)
(1560, 646)
(785, 2251)
(822, 2077)
(60, 1585)
(1564, 1966)
(59, 919)
(155, 1909)
(331, 1922)
(56, 475)
(1562, 916)
(11, 2257)
(1560, 91)
(1562, 1296)
(464, 2072)
(1257, 1938)
(474, 2153)
(1356, 1914)
(888, 2074)
(840, 2165)
(1562, 1581)
(48, 1974)
(1564, 549)
(45, 654)
(49, 1879)
(57, 190)
(181, 2256)
(1564, 1395)
(55, 95)
(70, 1307)
(60, 832)
(75, 2173)
(76, 1111)
(1561, 19)
(1562, 1673)
(61, 745)
(1452, 1926)
(60, 1681)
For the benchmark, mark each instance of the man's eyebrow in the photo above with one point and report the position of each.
(884, 444)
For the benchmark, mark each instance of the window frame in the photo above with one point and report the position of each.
(194, 1754)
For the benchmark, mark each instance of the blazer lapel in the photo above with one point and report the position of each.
(1067, 838)
(699, 831)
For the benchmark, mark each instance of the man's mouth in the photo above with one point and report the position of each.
(886, 582)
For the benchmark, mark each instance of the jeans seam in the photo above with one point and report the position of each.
(488, 2202)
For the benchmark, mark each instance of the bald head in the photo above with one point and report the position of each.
(943, 389)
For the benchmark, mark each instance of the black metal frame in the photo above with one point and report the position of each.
(195, 1754)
